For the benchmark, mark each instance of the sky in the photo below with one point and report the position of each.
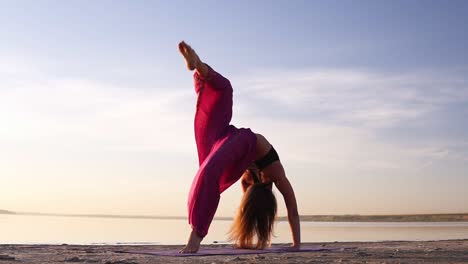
(366, 102)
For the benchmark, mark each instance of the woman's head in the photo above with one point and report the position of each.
(255, 218)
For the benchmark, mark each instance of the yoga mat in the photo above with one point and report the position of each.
(225, 251)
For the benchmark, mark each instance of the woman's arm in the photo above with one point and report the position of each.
(285, 188)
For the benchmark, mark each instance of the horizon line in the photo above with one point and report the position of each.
(224, 218)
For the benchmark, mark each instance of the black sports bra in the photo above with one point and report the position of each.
(264, 162)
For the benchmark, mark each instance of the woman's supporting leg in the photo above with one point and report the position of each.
(223, 167)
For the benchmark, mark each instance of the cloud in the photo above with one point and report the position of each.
(347, 106)
(43, 110)
(340, 117)
(362, 98)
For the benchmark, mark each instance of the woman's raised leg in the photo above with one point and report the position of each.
(214, 102)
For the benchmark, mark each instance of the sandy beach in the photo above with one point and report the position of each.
(449, 251)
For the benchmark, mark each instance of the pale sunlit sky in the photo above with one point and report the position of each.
(365, 101)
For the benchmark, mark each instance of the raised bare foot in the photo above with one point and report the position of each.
(190, 56)
(193, 244)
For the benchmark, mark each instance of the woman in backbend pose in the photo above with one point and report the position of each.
(226, 154)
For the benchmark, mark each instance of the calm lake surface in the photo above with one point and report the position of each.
(23, 229)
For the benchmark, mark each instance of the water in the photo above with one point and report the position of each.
(16, 229)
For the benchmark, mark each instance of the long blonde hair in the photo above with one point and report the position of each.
(255, 218)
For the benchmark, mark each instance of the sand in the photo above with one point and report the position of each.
(450, 251)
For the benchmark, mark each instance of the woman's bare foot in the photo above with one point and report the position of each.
(192, 59)
(193, 244)
(190, 56)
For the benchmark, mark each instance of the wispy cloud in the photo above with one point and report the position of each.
(340, 116)
(363, 98)
(61, 111)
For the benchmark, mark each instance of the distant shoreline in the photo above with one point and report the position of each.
(386, 218)
(461, 217)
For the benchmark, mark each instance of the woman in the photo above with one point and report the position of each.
(225, 154)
